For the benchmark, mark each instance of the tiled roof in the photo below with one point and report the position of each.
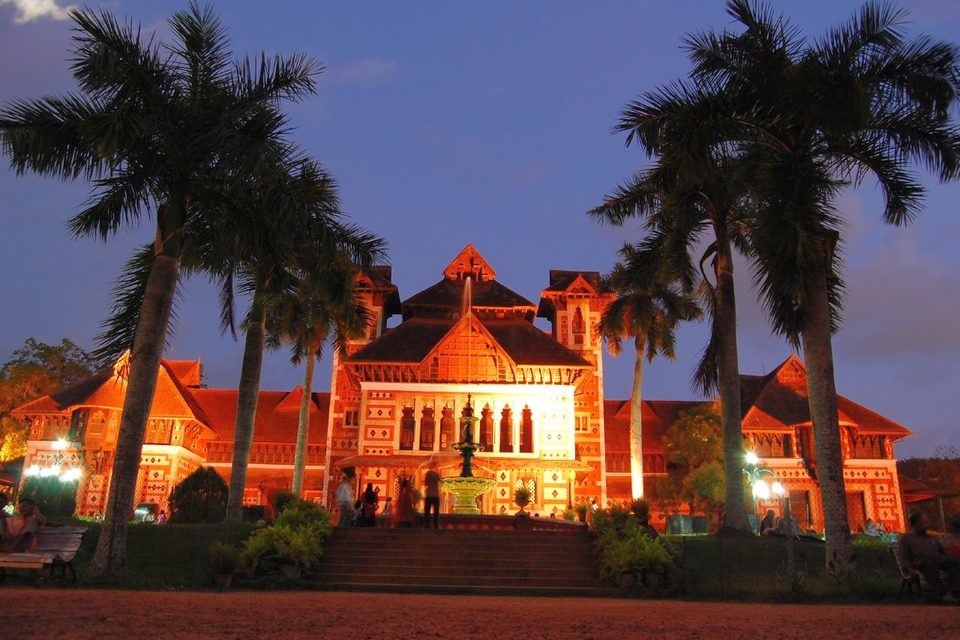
(779, 401)
(446, 298)
(413, 340)
(187, 371)
(410, 341)
(528, 345)
(656, 416)
(107, 389)
(273, 421)
(560, 280)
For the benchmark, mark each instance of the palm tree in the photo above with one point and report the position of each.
(153, 126)
(323, 307)
(307, 236)
(694, 185)
(648, 307)
(861, 101)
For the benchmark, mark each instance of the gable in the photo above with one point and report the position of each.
(469, 353)
(469, 262)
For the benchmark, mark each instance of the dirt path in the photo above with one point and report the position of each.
(30, 613)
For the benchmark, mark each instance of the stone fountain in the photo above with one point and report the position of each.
(466, 487)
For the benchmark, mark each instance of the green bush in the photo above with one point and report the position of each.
(623, 546)
(295, 537)
(224, 558)
(53, 497)
(201, 497)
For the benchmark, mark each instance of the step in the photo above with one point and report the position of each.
(460, 561)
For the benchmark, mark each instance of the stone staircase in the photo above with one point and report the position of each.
(461, 561)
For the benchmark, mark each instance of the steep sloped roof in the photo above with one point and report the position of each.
(448, 295)
(274, 422)
(656, 416)
(779, 401)
(108, 388)
(412, 341)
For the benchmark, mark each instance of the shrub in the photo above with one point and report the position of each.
(295, 537)
(622, 545)
(641, 508)
(224, 558)
(201, 497)
(53, 497)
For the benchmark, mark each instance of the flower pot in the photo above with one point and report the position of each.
(651, 579)
(223, 580)
(627, 579)
(290, 571)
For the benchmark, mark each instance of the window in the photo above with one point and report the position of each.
(581, 423)
(408, 425)
(578, 326)
(78, 425)
(526, 430)
(351, 418)
(485, 436)
(96, 424)
(448, 428)
(427, 429)
(506, 430)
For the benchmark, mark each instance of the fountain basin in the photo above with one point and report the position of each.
(466, 489)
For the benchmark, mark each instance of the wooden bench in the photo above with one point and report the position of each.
(911, 578)
(56, 548)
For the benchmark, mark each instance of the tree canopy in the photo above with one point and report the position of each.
(33, 371)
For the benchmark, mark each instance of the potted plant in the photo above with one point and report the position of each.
(294, 541)
(581, 508)
(522, 497)
(224, 559)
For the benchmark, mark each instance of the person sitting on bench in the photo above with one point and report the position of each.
(20, 531)
(925, 554)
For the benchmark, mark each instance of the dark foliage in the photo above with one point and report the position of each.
(201, 497)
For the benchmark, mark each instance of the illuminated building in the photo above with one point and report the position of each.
(397, 395)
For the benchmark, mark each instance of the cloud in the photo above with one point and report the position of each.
(370, 72)
(29, 10)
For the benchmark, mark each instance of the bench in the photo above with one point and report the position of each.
(56, 548)
(909, 578)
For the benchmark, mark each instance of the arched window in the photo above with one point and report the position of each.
(578, 325)
(526, 430)
(448, 428)
(485, 435)
(427, 429)
(408, 425)
(506, 430)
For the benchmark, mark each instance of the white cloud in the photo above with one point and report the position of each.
(28, 10)
(369, 72)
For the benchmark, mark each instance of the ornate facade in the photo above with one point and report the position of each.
(397, 394)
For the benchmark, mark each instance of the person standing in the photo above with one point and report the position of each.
(370, 504)
(345, 502)
(431, 498)
(404, 512)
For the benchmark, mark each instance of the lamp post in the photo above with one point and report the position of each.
(762, 490)
(55, 463)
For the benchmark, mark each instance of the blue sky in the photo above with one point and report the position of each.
(447, 123)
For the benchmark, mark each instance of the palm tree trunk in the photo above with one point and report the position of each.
(303, 428)
(822, 395)
(728, 383)
(636, 423)
(111, 554)
(247, 396)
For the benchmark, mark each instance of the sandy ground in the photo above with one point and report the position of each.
(29, 613)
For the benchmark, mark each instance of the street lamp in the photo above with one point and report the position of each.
(762, 490)
(758, 483)
(55, 466)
